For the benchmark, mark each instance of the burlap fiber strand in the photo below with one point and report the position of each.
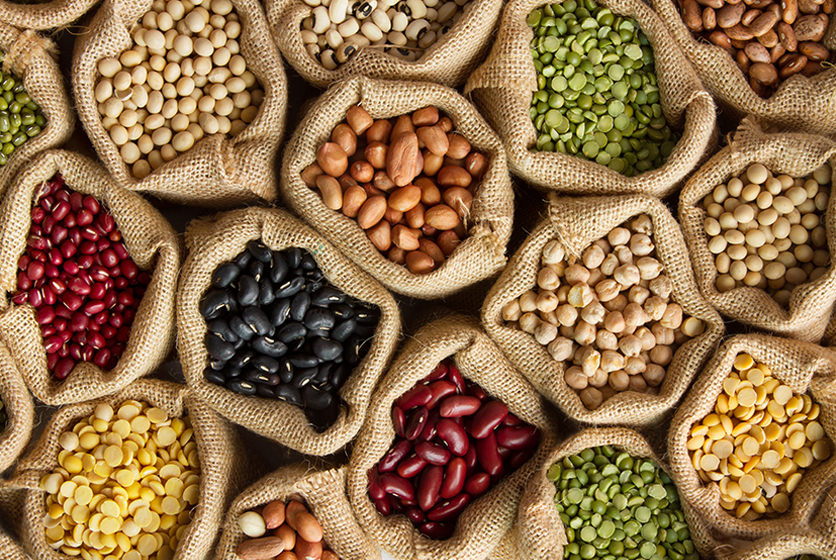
(797, 155)
(11, 549)
(41, 17)
(323, 491)
(152, 244)
(805, 368)
(220, 239)
(33, 59)
(542, 534)
(503, 86)
(19, 410)
(577, 223)
(480, 255)
(484, 522)
(449, 61)
(219, 171)
(801, 103)
(223, 464)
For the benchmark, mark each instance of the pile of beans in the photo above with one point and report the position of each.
(408, 181)
(284, 532)
(758, 442)
(612, 315)
(615, 506)
(598, 96)
(20, 117)
(80, 279)
(278, 329)
(768, 232)
(336, 29)
(127, 482)
(183, 78)
(453, 444)
(770, 41)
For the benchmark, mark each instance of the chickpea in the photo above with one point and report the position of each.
(561, 348)
(546, 301)
(567, 314)
(511, 311)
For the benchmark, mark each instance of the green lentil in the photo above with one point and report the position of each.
(613, 505)
(597, 75)
(20, 117)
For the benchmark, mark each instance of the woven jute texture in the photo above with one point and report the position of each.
(576, 223)
(152, 244)
(33, 58)
(797, 155)
(449, 61)
(480, 255)
(214, 241)
(805, 368)
(483, 523)
(502, 88)
(542, 534)
(41, 17)
(323, 491)
(19, 410)
(219, 171)
(11, 549)
(801, 103)
(224, 468)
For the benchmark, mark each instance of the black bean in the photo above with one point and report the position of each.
(258, 270)
(312, 287)
(265, 364)
(247, 290)
(303, 360)
(241, 359)
(316, 399)
(213, 376)
(278, 270)
(303, 376)
(221, 328)
(286, 370)
(352, 350)
(315, 275)
(241, 386)
(266, 391)
(231, 372)
(225, 275)
(219, 348)
(366, 316)
(289, 394)
(326, 296)
(241, 328)
(257, 320)
(318, 333)
(294, 257)
(243, 259)
(259, 250)
(343, 330)
(217, 365)
(327, 350)
(339, 375)
(262, 378)
(342, 311)
(290, 287)
(278, 311)
(299, 306)
(309, 263)
(296, 345)
(319, 318)
(215, 302)
(323, 419)
(269, 346)
(365, 331)
(239, 343)
(323, 373)
(291, 331)
(328, 387)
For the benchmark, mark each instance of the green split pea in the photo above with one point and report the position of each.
(598, 95)
(20, 117)
(617, 507)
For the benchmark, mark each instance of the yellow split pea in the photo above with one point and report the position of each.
(127, 481)
(757, 442)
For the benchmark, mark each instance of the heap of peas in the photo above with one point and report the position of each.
(20, 116)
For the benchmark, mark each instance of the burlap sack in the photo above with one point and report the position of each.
(798, 155)
(448, 62)
(33, 59)
(41, 17)
(485, 521)
(478, 256)
(152, 244)
(542, 534)
(224, 467)
(19, 411)
(219, 171)
(576, 223)
(801, 103)
(802, 366)
(502, 88)
(11, 549)
(323, 491)
(221, 238)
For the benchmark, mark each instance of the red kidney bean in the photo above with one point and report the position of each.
(458, 405)
(519, 458)
(488, 454)
(375, 490)
(416, 422)
(432, 453)
(382, 506)
(419, 395)
(398, 418)
(454, 478)
(411, 466)
(390, 461)
(512, 420)
(487, 418)
(429, 486)
(416, 515)
(517, 437)
(396, 486)
(454, 436)
(454, 375)
(478, 392)
(440, 372)
(431, 427)
(440, 389)
(437, 531)
(471, 459)
(449, 509)
(504, 452)
(477, 484)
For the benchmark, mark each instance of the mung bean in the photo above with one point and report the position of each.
(20, 116)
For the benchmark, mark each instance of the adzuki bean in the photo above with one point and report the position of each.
(431, 474)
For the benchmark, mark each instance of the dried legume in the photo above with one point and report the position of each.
(284, 532)
(80, 279)
(598, 95)
(20, 116)
(278, 329)
(615, 506)
(127, 482)
(758, 442)
(612, 315)
(453, 443)
(769, 231)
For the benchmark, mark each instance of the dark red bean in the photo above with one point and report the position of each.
(518, 437)
(430, 428)
(488, 453)
(432, 453)
(396, 486)
(411, 466)
(440, 389)
(45, 315)
(504, 452)
(49, 296)
(382, 506)
(512, 420)
(79, 322)
(375, 490)
(60, 211)
(429, 486)
(519, 458)
(415, 515)
(487, 418)
(454, 478)
(419, 395)
(109, 258)
(101, 358)
(454, 375)
(36, 298)
(71, 300)
(477, 484)
(398, 421)
(449, 509)
(35, 270)
(38, 214)
(91, 204)
(63, 368)
(437, 531)
(394, 456)
(84, 217)
(454, 436)
(478, 392)
(416, 422)
(53, 344)
(471, 459)
(24, 282)
(459, 405)
(440, 372)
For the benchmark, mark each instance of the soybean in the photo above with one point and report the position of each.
(613, 505)
(598, 94)
(21, 118)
